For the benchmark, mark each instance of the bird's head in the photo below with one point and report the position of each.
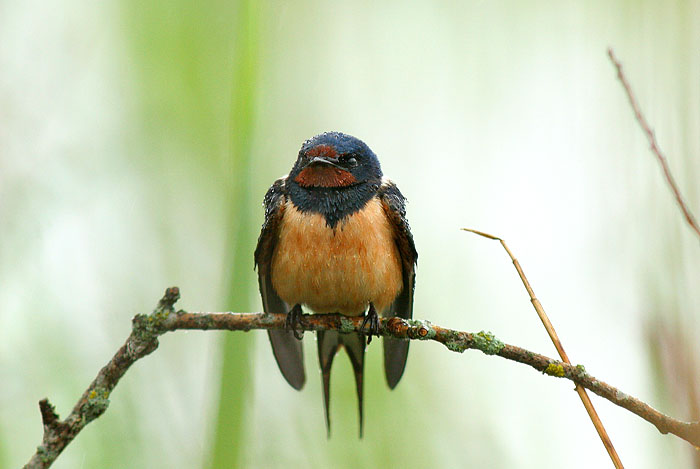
(335, 160)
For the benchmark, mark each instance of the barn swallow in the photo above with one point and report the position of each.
(336, 240)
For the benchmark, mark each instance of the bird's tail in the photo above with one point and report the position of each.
(328, 344)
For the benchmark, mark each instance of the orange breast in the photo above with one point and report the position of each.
(337, 270)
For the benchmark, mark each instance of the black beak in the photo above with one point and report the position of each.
(322, 160)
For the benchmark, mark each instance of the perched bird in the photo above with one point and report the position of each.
(335, 240)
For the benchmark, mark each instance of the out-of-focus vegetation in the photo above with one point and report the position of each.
(137, 141)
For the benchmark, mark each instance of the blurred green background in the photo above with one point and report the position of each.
(137, 141)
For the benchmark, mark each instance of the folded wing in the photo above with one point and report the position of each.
(286, 348)
(396, 350)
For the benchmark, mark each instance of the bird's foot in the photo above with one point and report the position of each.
(372, 320)
(295, 322)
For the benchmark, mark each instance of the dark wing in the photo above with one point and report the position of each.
(396, 350)
(287, 349)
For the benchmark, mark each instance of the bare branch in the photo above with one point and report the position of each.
(585, 399)
(146, 328)
(651, 137)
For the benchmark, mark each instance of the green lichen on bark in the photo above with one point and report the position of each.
(487, 343)
(456, 342)
(147, 327)
(160, 315)
(267, 319)
(97, 403)
(421, 330)
(555, 369)
(207, 323)
(46, 455)
(346, 325)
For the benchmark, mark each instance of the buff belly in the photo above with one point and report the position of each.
(338, 270)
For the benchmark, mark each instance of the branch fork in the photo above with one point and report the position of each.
(146, 328)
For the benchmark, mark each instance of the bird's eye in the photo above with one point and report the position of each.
(349, 160)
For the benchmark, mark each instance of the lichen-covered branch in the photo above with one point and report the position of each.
(95, 400)
(148, 327)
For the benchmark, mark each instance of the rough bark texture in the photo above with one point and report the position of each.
(147, 327)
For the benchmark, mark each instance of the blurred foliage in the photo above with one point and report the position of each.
(195, 61)
(235, 371)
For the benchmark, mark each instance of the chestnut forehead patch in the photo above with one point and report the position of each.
(324, 176)
(323, 151)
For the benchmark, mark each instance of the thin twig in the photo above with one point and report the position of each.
(605, 438)
(651, 137)
(146, 328)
